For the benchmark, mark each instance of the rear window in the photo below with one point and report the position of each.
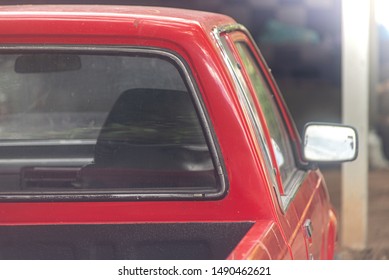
(86, 125)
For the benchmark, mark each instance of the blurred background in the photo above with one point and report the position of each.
(301, 41)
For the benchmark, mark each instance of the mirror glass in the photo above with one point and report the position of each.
(330, 143)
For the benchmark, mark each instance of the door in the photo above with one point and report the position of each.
(300, 199)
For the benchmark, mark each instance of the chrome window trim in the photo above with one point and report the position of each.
(294, 184)
(129, 195)
(291, 187)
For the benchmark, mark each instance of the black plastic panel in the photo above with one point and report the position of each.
(124, 241)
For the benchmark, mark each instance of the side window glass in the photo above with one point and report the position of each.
(279, 136)
(83, 123)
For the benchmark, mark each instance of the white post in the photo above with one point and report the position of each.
(355, 111)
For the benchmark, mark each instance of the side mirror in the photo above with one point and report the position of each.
(329, 143)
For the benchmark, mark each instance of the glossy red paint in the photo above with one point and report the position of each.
(263, 241)
(115, 26)
(277, 233)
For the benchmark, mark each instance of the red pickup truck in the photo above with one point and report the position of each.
(153, 133)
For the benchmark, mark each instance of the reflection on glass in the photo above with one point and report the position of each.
(100, 123)
(330, 143)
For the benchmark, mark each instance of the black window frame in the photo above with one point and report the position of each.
(128, 195)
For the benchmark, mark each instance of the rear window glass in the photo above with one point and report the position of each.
(100, 123)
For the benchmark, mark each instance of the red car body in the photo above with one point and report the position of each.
(284, 223)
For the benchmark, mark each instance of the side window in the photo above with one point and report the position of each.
(97, 124)
(279, 136)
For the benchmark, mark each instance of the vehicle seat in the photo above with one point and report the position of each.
(150, 135)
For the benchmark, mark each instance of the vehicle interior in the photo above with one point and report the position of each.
(99, 123)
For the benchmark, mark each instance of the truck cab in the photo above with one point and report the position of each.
(132, 132)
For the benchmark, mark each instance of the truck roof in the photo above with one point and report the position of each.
(157, 15)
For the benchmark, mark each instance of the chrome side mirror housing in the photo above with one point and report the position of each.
(329, 143)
